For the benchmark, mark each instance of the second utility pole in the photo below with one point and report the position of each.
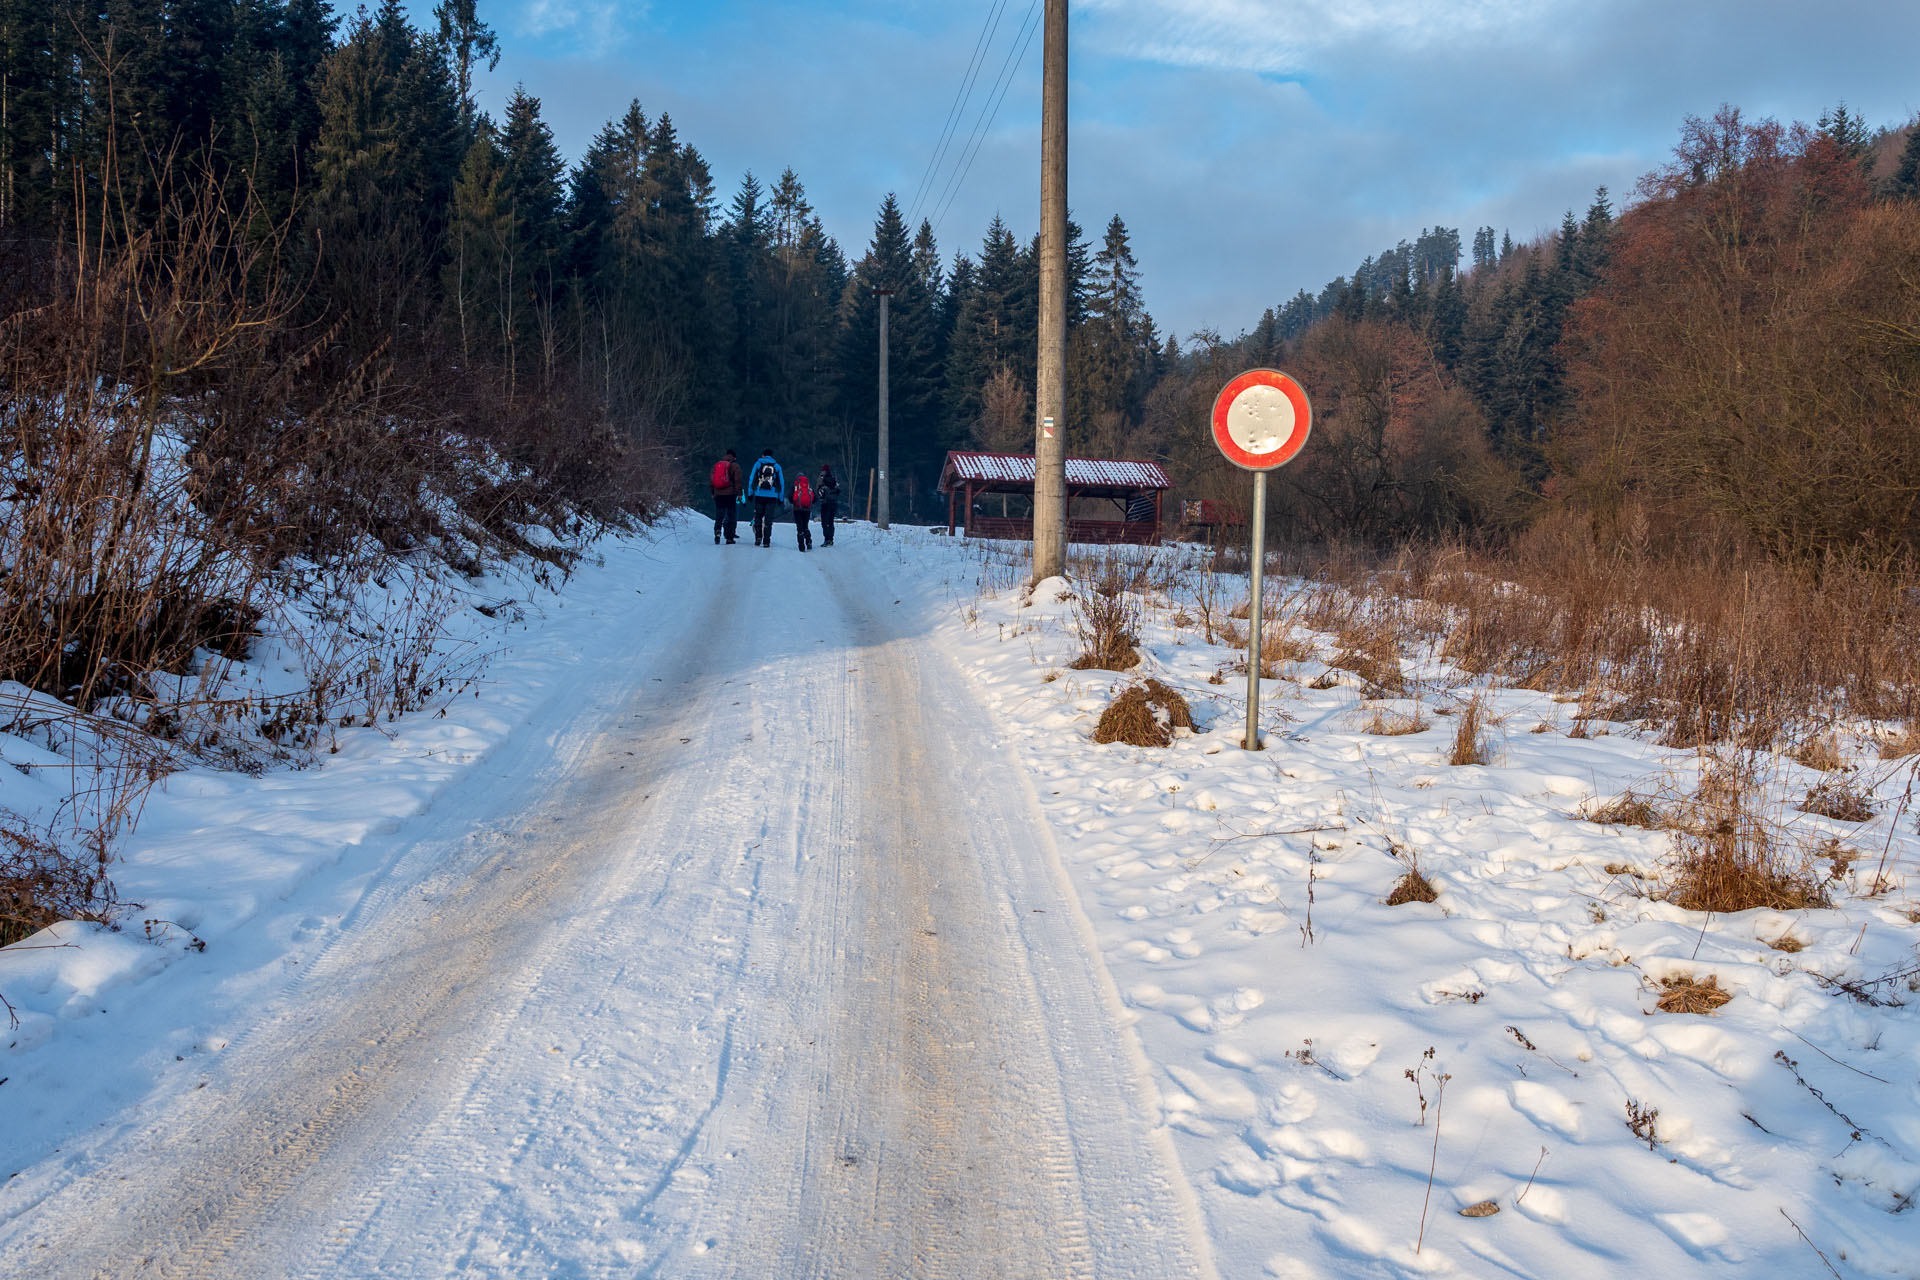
(1050, 381)
(885, 506)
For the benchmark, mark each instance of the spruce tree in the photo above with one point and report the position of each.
(1905, 183)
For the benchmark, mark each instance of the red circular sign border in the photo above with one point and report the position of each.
(1302, 419)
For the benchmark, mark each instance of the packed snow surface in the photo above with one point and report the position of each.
(768, 914)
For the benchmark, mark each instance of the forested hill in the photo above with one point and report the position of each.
(611, 323)
(426, 240)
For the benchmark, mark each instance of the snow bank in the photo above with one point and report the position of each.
(231, 880)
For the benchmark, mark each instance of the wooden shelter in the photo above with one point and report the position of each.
(1135, 488)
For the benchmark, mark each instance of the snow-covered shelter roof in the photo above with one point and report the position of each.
(1015, 471)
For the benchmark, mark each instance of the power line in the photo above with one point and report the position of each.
(957, 110)
(989, 111)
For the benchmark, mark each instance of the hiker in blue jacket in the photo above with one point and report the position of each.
(767, 486)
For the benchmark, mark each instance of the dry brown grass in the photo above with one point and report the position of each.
(1373, 654)
(1681, 993)
(1902, 742)
(1413, 885)
(1839, 799)
(1788, 943)
(1628, 810)
(1144, 715)
(1706, 641)
(1822, 753)
(1470, 744)
(1388, 722)
(1108, 626)
(1729, 857)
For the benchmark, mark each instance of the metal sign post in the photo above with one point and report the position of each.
(1260, 421)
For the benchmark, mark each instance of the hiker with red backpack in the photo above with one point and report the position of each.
(767, 486)
(726, 483)
(802, 511)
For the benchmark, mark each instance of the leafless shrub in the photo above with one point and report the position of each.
(40, 885)
(1144, 715)
(1108, 629)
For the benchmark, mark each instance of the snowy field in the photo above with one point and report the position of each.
(1301, 1028)
(1339, 1077)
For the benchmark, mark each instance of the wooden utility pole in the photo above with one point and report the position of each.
(1050, 382)
(885, 485)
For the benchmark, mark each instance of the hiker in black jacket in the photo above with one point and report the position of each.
(826, 498)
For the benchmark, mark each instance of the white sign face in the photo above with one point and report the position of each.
(1261, 419)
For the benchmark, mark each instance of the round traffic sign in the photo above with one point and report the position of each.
(1261, 419)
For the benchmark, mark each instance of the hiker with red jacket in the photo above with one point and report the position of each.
(802, 511)
(726, 483)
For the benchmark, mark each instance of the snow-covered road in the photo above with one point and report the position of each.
(753, 962)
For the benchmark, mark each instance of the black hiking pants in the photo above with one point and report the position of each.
(802, 531)
(828, 510)
(726, 517)
(764, 510)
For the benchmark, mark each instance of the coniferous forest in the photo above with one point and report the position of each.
(365, 268)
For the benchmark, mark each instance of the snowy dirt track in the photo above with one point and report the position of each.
(753, 963)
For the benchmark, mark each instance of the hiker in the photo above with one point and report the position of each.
(725, 482)
(826, 495)
(802, 512)
(767, 486)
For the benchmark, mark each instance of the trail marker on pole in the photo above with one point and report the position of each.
(1260, 421)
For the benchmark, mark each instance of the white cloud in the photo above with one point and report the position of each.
(594, 24)
(1283, 36)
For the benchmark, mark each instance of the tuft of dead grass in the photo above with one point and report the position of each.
(1628, 810)
(1902, 742)
(1470, 734)
(1387, 722)
(1412, 887)
(1838, 799)
(1822, 753)
(1788, 943)
(1729, 858)
(1376, 660)
(1144, 715)
(1681, 993)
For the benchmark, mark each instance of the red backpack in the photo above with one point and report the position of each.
(802, 493)
(722, 474)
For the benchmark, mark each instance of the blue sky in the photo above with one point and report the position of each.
(1253, 147)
